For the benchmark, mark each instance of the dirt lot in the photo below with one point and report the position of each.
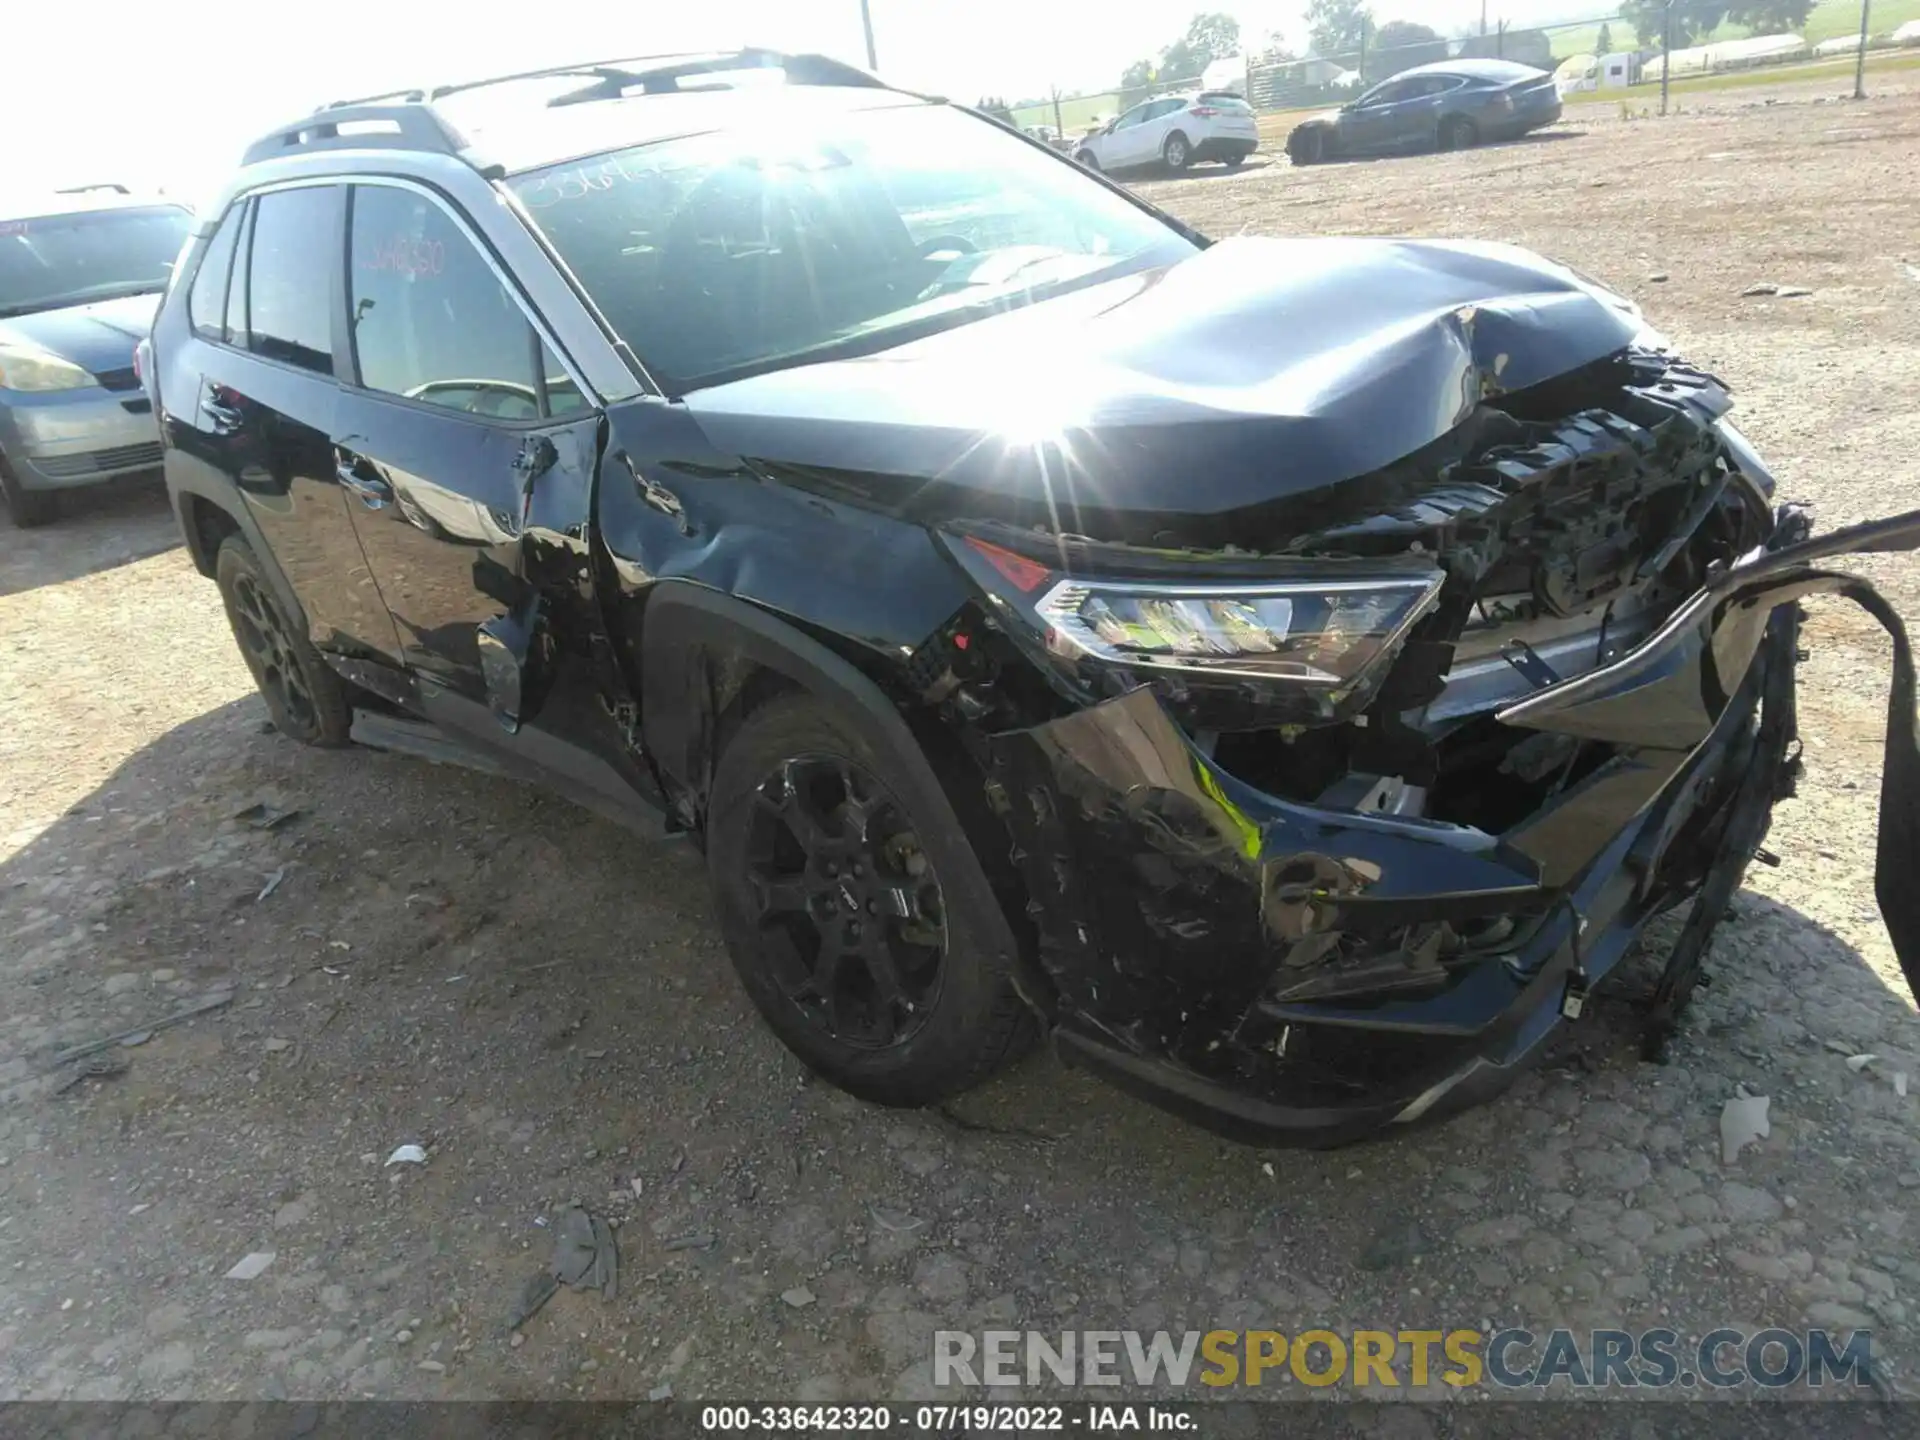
(422, 955)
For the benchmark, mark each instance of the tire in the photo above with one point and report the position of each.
(1234, 161)
(1307, 147)
(28, 509)
(1088, 159)
(816, 845)
(1458, 133)
(307, 701)
(1177, 152)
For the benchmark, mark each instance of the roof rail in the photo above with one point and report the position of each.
(651, 73)
(404, 126)
(115, 186)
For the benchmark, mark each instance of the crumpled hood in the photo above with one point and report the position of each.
(98, 336)
(1257, 370)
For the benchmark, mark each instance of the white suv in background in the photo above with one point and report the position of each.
(1176, 131)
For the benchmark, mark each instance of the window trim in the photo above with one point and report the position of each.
(542, 333)
(251, 197)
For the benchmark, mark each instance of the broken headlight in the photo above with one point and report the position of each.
(1317, 632)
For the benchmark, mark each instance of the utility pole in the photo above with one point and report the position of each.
(866, 24)
(1860, 64)
(1059, 126)
(1666, 57)
(1483, 19)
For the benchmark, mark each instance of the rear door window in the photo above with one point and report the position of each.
(207, 300)
(432, 320)
(294, 259)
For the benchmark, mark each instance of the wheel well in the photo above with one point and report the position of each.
(1172, 135)
(205, 525)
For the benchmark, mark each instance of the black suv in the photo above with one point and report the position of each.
(1289, 672)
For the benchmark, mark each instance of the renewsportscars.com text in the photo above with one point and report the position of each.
(1387, 1359)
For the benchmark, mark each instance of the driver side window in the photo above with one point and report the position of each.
(1131, 118)
(431, 321)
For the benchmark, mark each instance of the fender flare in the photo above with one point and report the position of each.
(184, 497)
(699, 650)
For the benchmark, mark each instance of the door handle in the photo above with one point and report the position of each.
(370, 490)
(225, 419)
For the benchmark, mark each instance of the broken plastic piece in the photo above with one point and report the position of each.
(584, 1256)
(1857, 1063)
(408, 1155)
(1743, 1120)
(252, 1267)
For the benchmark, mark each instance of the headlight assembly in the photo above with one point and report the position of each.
(1309, 637)
(1313, 632)
(37, 370)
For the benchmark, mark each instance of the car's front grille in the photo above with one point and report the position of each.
(125, 379)
(99, 462)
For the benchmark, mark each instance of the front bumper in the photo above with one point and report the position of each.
(1186, 919)
(68, 438)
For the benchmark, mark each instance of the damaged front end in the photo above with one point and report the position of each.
(1325, 827)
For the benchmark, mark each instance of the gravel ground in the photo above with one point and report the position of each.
(541, 1001)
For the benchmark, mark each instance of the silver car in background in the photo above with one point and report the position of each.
(80, 275)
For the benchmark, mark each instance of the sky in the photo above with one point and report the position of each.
(155, 95)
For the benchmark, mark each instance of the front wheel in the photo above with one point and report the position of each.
(1235, 160)
(1307, 147)
(858, 918)
(28, 509)
(1088, 159)
(1177, 152)
(306, 700)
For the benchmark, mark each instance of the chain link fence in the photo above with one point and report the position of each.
(1603, 53)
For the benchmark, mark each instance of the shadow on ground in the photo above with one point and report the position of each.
(96, 529)
(423, 955)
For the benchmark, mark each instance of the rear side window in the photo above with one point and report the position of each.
(432, 321)
(295, 254)
(207, 301)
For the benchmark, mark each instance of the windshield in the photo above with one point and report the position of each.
(54, 260)
(729, 254)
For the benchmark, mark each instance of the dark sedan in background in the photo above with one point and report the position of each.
(1451, 105)
(80, 275)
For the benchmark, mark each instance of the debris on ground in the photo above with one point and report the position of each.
(898, 1221)
(251, 1267)
(661, 1392)
(799, 1297)
(1743, 1121)
(265, 815)
(408, 1155)
(700, 1240)
(1900, 1083)
(1767, 287)
(273, 884)
(214, 1000)
(1857, 1063)
(93, 1067)
(584, 1257)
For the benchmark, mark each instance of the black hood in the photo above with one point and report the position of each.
(1258, 370)
(97, 337)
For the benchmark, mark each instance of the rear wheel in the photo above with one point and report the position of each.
(26, 508)
(1177, 152)
(307, 701)
(1459, 133)
(1234, 160)
(858, 919)
(1088, 159)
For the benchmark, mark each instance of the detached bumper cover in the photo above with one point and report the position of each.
(1271, 969)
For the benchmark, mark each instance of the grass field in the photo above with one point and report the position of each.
(1829, 19)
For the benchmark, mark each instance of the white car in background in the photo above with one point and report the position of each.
(1175, 131)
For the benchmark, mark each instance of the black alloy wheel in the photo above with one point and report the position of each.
(854, 905)
(850, 900)
(307, 701)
